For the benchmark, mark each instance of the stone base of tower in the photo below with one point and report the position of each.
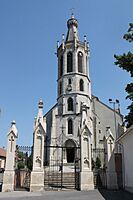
(86, 181)
(37, 181)
(111, 180)
(8, 181)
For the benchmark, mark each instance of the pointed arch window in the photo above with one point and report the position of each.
(81, 85)
(61, 65)
(69, 81)
(60, 87)
(70, 104)
(69, 62)
(70, 126)
(80, 62)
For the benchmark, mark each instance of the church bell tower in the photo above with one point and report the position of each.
(74, 87)
(71, 117)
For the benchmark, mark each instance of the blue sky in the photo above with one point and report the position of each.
(29, 30)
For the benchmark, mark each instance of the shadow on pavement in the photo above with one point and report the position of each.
(116, 194)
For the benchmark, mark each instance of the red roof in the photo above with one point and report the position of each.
(2, 152)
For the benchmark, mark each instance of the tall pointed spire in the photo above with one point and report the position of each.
(72, 25)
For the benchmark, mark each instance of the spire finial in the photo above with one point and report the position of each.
(72, 13)
(72, 25)
(72, 16)
(40, 104)
(13, 122)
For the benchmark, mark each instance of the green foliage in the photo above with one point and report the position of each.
(129, 90)
(23, 160)
(20, 160)
(92, 163)
(30, 162)
(129, 35)
(125, 62)
(129, 117)
(98, 163)
(20, 165)
(20, 155)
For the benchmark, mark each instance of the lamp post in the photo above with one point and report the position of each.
(114, 102)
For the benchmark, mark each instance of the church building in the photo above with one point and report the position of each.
(76, 137)
(76, 107)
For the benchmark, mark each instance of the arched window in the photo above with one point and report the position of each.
(60, 87)
(70, 104)
(69, 81)
(61, 65)
(81, 85)
(80, 62)
(70, 126)
(69, 62)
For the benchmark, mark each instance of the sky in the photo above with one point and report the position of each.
(29, 30)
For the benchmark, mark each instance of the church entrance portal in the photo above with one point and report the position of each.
(70, 155)
(70, 151)
(62, 166)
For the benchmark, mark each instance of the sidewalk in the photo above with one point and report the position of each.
(68, 195)
(53, 195)
(18, 194)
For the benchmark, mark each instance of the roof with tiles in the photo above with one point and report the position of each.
(2, 152)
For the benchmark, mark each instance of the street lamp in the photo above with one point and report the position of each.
(114, 102)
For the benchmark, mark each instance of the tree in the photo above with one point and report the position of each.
(30, 162)
(98, 163)
(20, 160)
(23, 160)
(125, 62)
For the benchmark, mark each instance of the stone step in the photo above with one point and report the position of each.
(67, 174)
(57, 186)
(52, 180)
(68, 182)
(59, 182)
(59, 177)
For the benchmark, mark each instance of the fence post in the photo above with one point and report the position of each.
(86, 174)
(37, 174)
(9, 174)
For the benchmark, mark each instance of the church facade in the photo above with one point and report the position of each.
(77, 130)
(76, 107)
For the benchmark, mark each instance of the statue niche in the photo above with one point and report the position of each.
(86, 150)
(39, 145)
